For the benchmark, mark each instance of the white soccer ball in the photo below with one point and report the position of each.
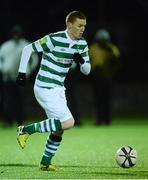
(126, 157)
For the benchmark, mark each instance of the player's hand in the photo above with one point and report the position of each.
(78, 58)
(21, 79)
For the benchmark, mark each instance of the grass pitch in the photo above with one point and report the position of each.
(86, 152)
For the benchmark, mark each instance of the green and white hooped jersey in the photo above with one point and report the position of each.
(57, 57)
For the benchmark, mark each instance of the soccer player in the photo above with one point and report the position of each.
(59, 50)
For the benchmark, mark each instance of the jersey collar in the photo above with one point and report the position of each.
(69, 38)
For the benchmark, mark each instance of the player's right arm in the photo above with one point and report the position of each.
(43, 44)
(26, 53)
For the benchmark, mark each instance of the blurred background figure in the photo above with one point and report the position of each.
(12, 95)
(104, 57)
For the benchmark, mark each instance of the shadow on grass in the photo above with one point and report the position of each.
(92, 170)
(102, 170)
(18, 165)
(85, 166)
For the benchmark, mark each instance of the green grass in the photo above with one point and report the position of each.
(86, 152)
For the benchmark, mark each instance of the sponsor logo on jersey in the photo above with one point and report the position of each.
(64, 60)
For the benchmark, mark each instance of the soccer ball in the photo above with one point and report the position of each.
(126, 157)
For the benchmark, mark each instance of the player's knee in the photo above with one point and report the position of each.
(58, 133)
(68, 124)
(72, 123)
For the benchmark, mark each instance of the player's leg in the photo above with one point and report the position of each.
(52, 144)
(48, 125)
(56, 107)
(53, 101)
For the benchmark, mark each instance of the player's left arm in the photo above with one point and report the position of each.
(85, 67)
(83, 59)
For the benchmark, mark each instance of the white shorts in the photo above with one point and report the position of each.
(54, 102)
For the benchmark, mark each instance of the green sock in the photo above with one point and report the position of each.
(48, 125)
(52, 144)
(30, 129)
(46, 160)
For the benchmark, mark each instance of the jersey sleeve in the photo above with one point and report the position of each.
(85, 55)
(43, 45)
(85, 67)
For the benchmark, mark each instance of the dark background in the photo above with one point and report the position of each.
(127, 21)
